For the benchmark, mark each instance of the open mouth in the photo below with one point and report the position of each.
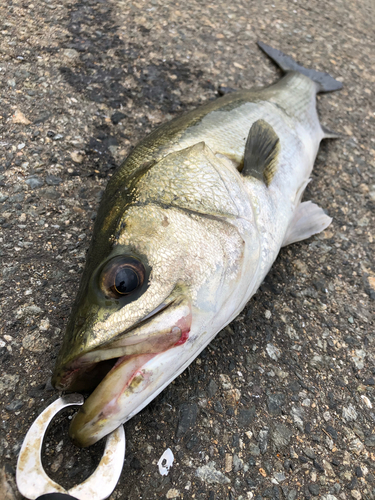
(119, 370)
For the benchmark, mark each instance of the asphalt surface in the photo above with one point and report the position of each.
(281, 403)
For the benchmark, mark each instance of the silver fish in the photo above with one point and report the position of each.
(187, 230)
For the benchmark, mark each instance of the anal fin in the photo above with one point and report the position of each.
(331, 134)
(308, 219)
(261, 152)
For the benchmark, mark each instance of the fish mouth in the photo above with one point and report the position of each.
(125, 372)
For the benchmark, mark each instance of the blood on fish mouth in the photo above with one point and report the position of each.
(130, 375)
(149, 337)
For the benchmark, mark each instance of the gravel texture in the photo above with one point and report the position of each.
(281, 404)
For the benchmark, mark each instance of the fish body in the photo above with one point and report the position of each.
(187, 229)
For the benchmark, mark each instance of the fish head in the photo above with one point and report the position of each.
(167, 269)
(130, 332)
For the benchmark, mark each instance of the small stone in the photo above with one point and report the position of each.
(71, 54)
(212, 388)
(314, 489)
(358, 472)
(349, 414)
(27, 311)
(331, 431)
(8, 382)
(210, 475)
(275, 403)
(327, 416)
(347, 475)
(254, 449)
(246, 416)
(76, 156)
(370, 381)
(318, 467)
(44, 325)
(359, 358)
(279, 476)
(117, 117)
(56, 464)
(370, 441)
(232, 396)
(218, 407)
(225, 382)
(17, 198)
(292, 495)
(252, 462)
(263, 440)
(34, 182)
(356, 446)
(356, 494)
(328, 468)
(53, 180)
(187, 417)
(320, 362)
(193, 442)
(35, 343)
(57, 137)
(237, 463)
(281, 436)
(336, 488)
(50, 193)
(172, 493)
(268, 493)
(15, 405)
(273, 352)
(366, 400)
(309, 452)
(267, 314)
(358, 431)
(19, 117)
(288, 465)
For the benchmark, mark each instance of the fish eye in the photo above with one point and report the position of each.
(122, 276)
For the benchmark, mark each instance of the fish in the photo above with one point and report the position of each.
(187, 229)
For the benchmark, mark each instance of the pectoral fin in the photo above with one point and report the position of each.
(308, 219)
(261, 152)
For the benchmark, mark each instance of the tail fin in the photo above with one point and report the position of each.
(325, 82)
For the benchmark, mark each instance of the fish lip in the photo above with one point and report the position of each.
(71, 372)
(129, 377)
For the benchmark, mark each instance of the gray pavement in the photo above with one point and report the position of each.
(282, 403)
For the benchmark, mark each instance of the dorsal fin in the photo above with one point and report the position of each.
(261, 152)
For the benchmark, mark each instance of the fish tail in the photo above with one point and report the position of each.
(325, 82)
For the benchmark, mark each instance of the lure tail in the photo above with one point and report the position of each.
(326, 83)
